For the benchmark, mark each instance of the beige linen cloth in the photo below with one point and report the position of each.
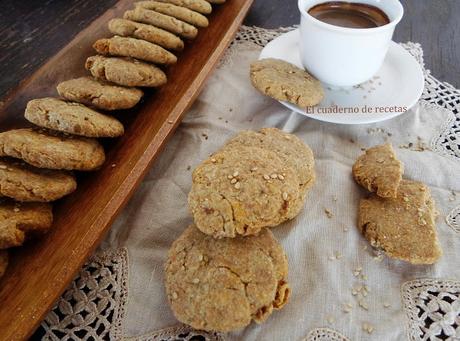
(340, 288)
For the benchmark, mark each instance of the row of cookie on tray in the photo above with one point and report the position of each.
(36, 164)
(228, 269)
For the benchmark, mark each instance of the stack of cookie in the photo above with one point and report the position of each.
(228, 269)
(36, 164)
(399, 217)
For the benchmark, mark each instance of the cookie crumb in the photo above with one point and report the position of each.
(328, 213)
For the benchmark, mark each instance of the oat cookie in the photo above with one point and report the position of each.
(53, 151)
(200, 6)
(128, 28)
(165, 22)
(20, 220)
(101, 95)
(134, 48)
(286, 82)
(221, 285)
(72, 118)
(239, 191)
(178, 12)
(291, 150)
(126, 72)
(403, 227)
(3, 262)
(379, 171)
(22, 182)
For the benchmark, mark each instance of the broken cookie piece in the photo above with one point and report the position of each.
(379, 171)
(222, 285)
(403, 227)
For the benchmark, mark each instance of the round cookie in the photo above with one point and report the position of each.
(242, 189)
(222, 285)
(101, 95)
(47, 150)
(286, 82)
(166, 22)
(128, 28)
(288, 147)
(200, 6)
(125, 72)
(71, 118)
(19, 220)
(3, 262)
(25, 183)
(134, 48)
(178, 12)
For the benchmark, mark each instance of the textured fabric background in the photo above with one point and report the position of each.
(323, 251)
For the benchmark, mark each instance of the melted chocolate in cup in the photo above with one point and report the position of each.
(349, 14)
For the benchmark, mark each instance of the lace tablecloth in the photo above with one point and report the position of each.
(341, 289)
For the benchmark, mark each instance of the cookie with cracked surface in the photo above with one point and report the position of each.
(163, 21)
(22, 220)
(291, 150)
(200, 6)
(403, 227)
(379, 171)
(23, 182)
(53, 151)
(178, 12)
(128, 28)
(125, 72)
(72, 118)
(222, 285)
(284, 81)
(101, 95)
(134, 48)
(3, 262)
(240, 190)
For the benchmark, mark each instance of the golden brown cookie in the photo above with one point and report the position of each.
(403, 227)
(200, 6)
(128, 28)
(222, 285)
(178, 12)
(23, 182)
(72, 118)
(46, 150)
(240, 190)
(101, 95)
(134, 48)
(3, 262)
(379, 171)
(286, 82)
(20, 220)
(126, 72)
(291, 150)
(165, 22)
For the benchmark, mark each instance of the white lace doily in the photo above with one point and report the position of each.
(93, 307)
(433, 309)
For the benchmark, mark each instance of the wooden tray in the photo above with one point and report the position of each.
(41, 271)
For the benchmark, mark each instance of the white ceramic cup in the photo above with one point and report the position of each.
(341, 56)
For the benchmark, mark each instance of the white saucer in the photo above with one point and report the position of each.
(398, 85)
